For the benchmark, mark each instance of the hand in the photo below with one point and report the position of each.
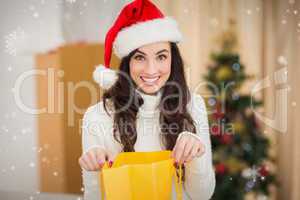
(94, 159)
(187, 147)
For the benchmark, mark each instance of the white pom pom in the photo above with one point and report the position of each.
(104, 76)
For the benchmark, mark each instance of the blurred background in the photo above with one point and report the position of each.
(50, 48)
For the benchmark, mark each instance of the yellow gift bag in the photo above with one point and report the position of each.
(141, 176)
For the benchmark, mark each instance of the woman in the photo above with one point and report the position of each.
(147, 106)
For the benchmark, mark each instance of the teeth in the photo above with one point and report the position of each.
(149, 80)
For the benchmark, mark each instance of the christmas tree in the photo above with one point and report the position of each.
(240, 149)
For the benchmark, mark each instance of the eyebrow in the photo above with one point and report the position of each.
(164, 50)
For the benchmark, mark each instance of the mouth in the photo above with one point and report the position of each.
(150, 80)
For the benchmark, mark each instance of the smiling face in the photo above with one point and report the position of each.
(150, 66)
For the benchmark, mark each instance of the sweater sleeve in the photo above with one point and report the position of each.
(200, 176)
(93, 129)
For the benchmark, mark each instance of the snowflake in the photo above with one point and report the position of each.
(36, 15)
(282, 60)
(12, 168)
(214, 22)
(31, 164)
(211, 101)
(14, 40)
(4, 128)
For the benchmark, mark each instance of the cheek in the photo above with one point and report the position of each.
(165, 71)
(135, 70)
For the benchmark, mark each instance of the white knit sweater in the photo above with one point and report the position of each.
(97, 130)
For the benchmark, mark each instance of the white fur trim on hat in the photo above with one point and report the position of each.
(147, 32)
(104, 76)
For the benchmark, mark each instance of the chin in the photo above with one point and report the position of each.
(150, 89)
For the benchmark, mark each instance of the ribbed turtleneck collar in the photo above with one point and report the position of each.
(151, 102)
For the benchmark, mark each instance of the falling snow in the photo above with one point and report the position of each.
(14, 40)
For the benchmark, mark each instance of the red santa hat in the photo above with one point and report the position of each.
(139, 23)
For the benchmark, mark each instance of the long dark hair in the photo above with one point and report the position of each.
(172, 107)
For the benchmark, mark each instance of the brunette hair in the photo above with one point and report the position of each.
(173, 115)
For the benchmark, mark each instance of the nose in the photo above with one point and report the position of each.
(151, 68)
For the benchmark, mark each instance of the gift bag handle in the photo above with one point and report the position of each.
(178, 182)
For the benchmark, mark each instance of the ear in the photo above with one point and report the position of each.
(105, 76)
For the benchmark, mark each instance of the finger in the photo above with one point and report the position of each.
(188, 149)
(100, 157)
(83, 164)
(175, 147)
(93, 159)
(179, 150)
(86, 160)
(193, 152)
(201, 151)
(109, 156)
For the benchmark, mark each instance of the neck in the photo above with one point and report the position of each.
(151, 101)
(140, 91)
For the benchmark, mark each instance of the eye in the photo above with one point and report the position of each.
(139, 57)
(162, 57)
